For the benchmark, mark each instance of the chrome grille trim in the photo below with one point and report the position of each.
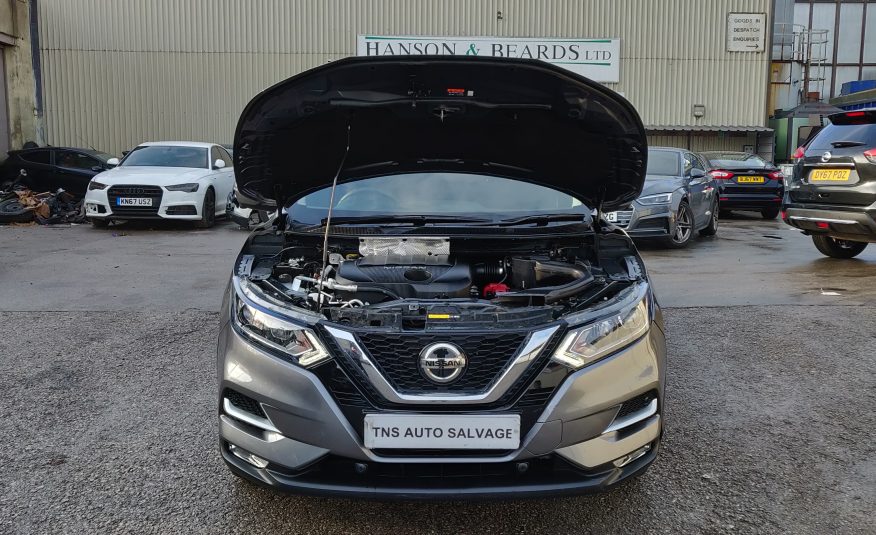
(243, 416)
(632, 418)
(532, 347)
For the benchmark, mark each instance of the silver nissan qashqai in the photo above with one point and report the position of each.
(439, 308)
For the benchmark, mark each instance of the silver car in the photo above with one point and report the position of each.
(438, 314)
(680, 200)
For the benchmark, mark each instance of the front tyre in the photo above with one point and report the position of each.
(681, 235)
(712, 228)
(835, 248)
(208, 210)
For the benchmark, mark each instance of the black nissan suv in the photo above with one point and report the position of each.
(832, 194)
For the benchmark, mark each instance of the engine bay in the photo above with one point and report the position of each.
(414, 282)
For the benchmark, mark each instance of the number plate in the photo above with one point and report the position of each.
(750, 180)
(443, 431)
(829, 175)
(611, 217)
(134, 201)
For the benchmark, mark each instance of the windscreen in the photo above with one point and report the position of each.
(855, 131)
(166, 156)
(735, 160)
(435, 194)
(663, 162)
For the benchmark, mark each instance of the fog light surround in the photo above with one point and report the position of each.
(630, 457)
(247, 456)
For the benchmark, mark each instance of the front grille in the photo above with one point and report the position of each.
(657, 222)
(535, 397)
(186, 209)
(623, 218)
(636, 404)
(356, 397)
(244, 403)
(137, 191)
(397, 355)
(545, 470)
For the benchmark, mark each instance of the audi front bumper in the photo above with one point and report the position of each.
(281, 426)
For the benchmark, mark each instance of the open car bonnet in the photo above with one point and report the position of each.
(519, 119)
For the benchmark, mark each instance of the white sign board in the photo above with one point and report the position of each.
(746, 32)
(597, 59)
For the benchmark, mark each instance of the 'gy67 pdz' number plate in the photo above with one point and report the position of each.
(134, 201)
(442, 431)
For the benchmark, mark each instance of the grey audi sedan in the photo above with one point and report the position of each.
(678, 201)
(436, 313)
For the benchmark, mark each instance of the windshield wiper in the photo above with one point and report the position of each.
(539, 219)
(413, 219)
(840, 144)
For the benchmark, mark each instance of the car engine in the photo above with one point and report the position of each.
(408, 281)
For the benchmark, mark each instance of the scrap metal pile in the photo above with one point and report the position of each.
(23, 206)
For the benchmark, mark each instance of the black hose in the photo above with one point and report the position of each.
(552, 294)
(377, 289)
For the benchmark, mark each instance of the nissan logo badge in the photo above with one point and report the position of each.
(442, 363)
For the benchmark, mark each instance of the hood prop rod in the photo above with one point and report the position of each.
(328, 222)
(598, 226)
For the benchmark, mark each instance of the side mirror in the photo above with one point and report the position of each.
(697, 173)
(112, 162)
(218, 164)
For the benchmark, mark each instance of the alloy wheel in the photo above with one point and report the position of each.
(683, 224)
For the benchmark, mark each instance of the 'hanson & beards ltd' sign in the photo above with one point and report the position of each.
(597, 59)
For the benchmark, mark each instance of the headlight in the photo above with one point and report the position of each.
(651, 200)
(279, 334)
(188, 188)
(95, 185)
(589, 343)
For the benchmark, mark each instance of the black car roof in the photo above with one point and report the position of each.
(80, 149)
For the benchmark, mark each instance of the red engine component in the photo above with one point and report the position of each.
(491, 289)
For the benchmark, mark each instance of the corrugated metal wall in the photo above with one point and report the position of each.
(700, 141)
(117, 73)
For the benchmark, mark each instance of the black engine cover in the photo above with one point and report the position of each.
(423, 282)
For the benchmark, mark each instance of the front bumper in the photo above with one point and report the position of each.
(648, 221)
(309, 444)
(855, 223)
(178, 205)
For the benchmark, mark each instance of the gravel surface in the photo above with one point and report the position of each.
(110, 425)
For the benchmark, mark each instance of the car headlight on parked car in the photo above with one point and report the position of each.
(279, 334)
(95, 185)
(591, 342)
(650, 200)
(188, 187)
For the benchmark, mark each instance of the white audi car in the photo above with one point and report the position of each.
(163, 180)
